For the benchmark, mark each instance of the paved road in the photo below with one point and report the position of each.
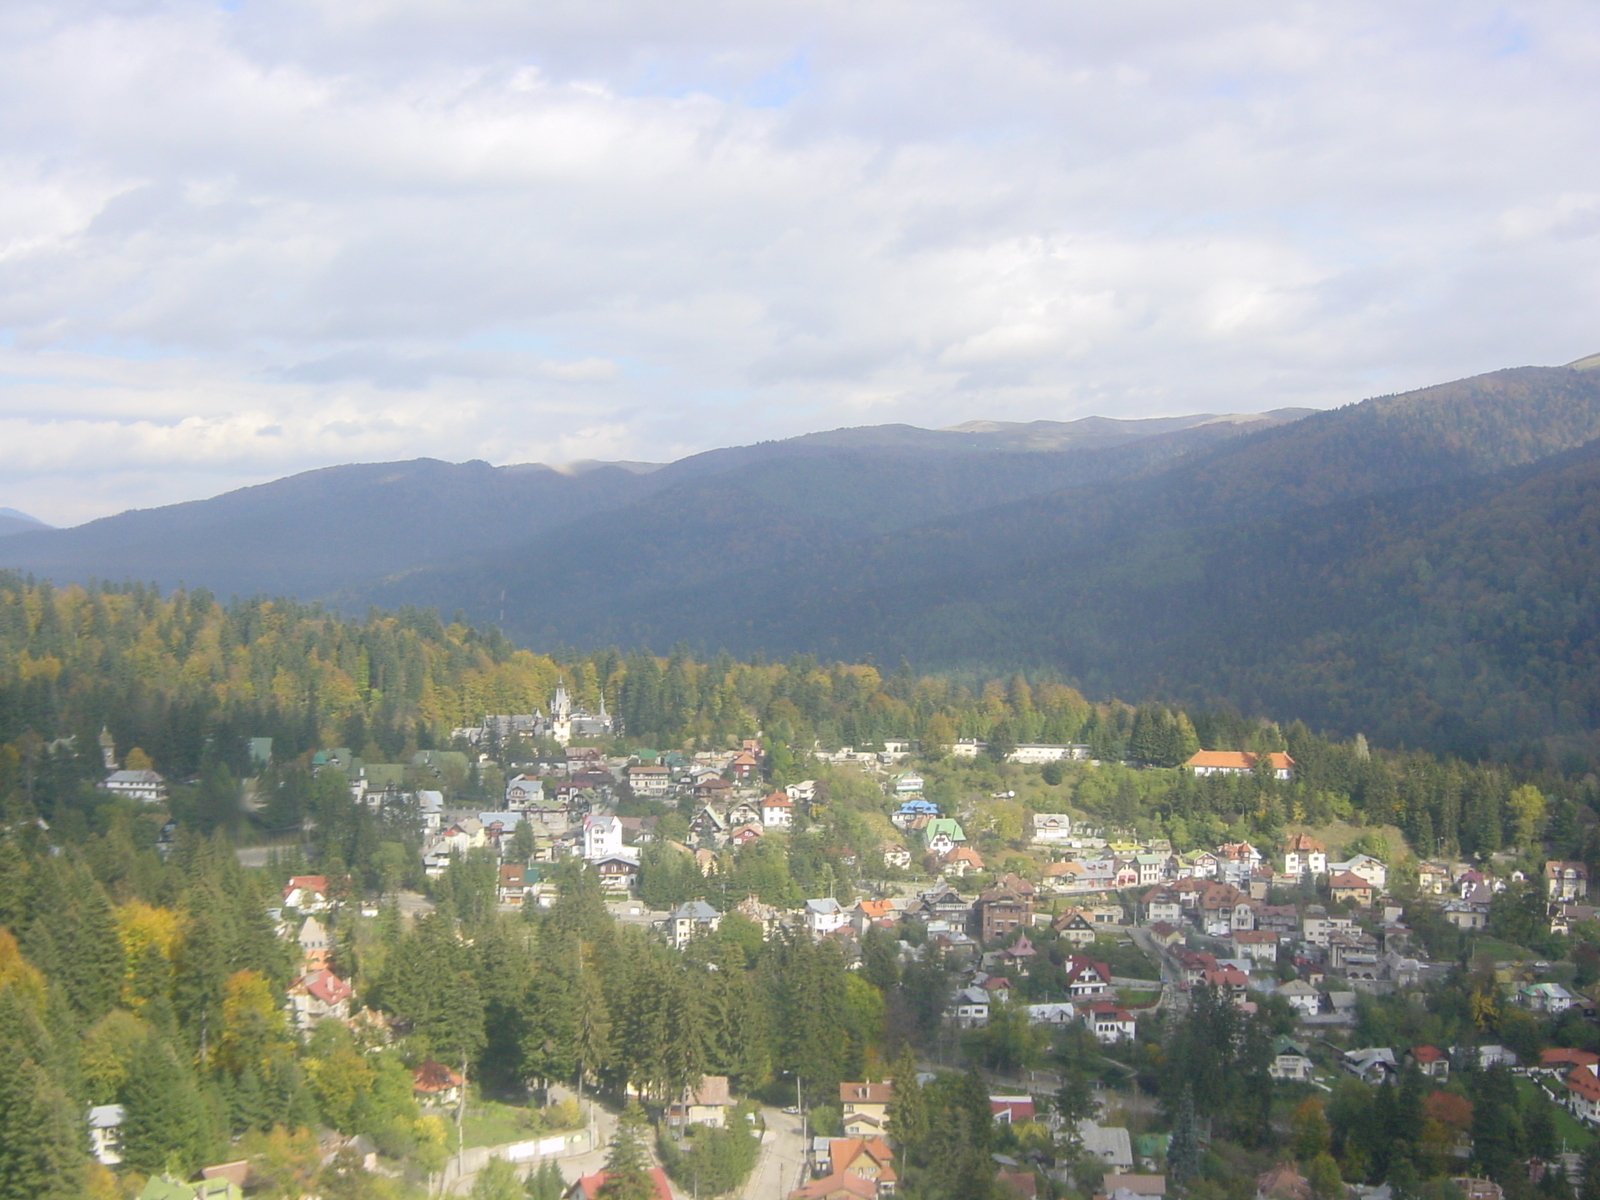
(781, 1166)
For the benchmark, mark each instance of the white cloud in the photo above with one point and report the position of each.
(386, 228)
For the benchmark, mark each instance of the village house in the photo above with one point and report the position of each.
(1051, 829)
(824, 916)
(866, 1158)
(145, 786)
(1074, 926)
(649, 779)
(523, 791)
(1257, 945)
(942, 835)
(1001, 911)
(895, 856)
(970, 1008)
(1566, 881)
(435, 1084)
(316, 996)
(705, 1105)
(1289, 1061)
(1367, 867)
(1085, 977)
(105, 1133)
(961, 861)
(602, 837)
(618, 873)
(691, 918)
(1011, 1110)
(1431, 1061)
(516, 883)
(1347, 885)
(1583, 1094)
(1110, 1022)
(1304, 855)
(865, 1107)
(777, 811)
(1238, 762)
(1301, 996)
(306, 893)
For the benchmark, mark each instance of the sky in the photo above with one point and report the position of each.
(246, 239)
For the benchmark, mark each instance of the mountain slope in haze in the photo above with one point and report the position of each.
(12, 521)
(1250, 570)
(331, 533)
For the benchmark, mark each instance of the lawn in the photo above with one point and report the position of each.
(489, 1123)
(1569, 1130)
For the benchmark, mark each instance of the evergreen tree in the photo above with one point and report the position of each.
(164, 1123)
(627, 1167)
(41, 1154)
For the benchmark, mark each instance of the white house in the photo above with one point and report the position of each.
(1302, 997)
(1289, 1061)
(648, 779)
(777, 811)
(1368, 868)
(523, 791)
(824, 916)
(1110, 1022)
(602, 837)
(1304, 855)
(1051, 828)
(105, 1133)
(971, 1008)
(1545, 997)
(145, 786)
(1583, 1094)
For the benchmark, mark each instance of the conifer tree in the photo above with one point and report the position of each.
(627, 1166)
(164, 1123)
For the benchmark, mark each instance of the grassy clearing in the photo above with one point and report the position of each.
(1569, 1129)
(489, 1123)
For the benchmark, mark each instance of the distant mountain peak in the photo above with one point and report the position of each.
(1591, 363)
(13, 521)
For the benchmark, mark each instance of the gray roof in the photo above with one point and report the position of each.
(105, 1116)
(695, 910)
(826, 906)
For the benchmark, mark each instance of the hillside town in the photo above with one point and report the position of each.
(1073, 934)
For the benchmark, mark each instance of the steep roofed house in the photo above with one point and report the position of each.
(1304, 855)
(1431, 1061)
(704, 1105)
(436, 1084)
(777, 811)
(315, 996)
(1349, 886)
(867, 1105)
(1583, 1094)
(1086, 978)
(823, 916)
(307, 893)
(1074, 926)
(1566, 881)
(961, 861)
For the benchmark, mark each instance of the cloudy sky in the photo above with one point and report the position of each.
(240, 240)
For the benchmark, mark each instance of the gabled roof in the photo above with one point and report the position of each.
(434, 1076)
(866, 1093)
(694, 910)
(589, 1186)
(1349, 879)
